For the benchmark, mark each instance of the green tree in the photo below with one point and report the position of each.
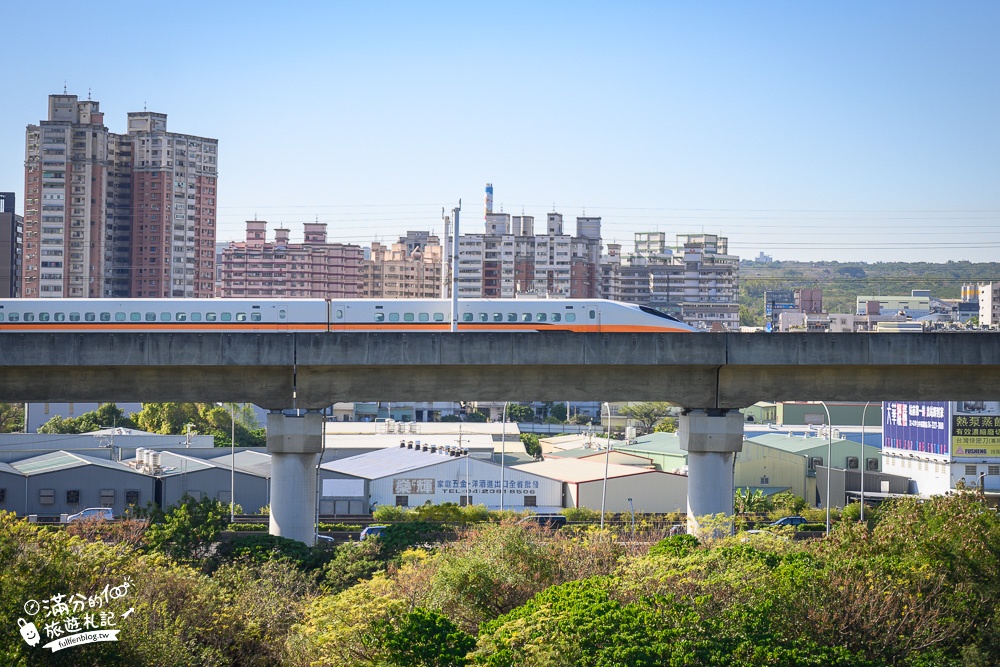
(647, 414)
(666, 425)
(531, 444)
(206, 419)
(11, 417)
(106, 416)
(424, 638)
(517, 412)
(556, 411)
(188, 530)
(476, 416)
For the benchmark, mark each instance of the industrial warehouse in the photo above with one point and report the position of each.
(366, 465)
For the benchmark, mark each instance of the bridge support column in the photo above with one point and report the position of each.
(294, 443)
(711, 437)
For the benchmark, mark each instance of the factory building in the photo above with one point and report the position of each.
(416, 473)
(627, 487)
(66, 482)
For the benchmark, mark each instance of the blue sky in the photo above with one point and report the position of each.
(806, 130)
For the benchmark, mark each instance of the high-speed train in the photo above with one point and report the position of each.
(319, 315)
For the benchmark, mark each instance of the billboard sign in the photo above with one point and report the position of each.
(975, 428)
(916, 426)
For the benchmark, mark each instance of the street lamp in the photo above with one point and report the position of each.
(232, 465)
(862, 462)
(829, 460)
(232, 461)
(503, 452)
(607, 459)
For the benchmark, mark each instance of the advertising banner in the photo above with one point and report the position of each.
(975, 428)
(916, 426)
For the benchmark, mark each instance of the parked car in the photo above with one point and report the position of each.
(324, 538)
(790, 521)
(93, 513)
(545, 520)
(372, 531)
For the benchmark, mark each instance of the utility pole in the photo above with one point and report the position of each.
(454, 268)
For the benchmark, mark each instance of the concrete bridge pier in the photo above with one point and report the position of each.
(711, 437)
(294, 443)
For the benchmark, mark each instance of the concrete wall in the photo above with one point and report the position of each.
(726, 370)
(650, 492)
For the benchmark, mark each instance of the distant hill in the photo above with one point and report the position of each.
(842, 282)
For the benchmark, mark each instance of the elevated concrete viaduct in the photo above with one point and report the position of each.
(710, 375)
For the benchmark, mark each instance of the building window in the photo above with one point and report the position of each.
(531, 501)
(464, 500)
(107, 497)
(47, 496)
(402, 501)
(993, 470)
(971, 471)
(3, 495)
(73, 497)
(131, 496)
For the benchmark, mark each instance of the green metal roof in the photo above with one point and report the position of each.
(656, 443)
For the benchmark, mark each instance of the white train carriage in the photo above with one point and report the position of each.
(318, 315)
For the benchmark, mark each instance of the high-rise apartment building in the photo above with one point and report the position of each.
(93, 226)
(312, 269)
(510, 259)
(11, 249)
(408, 269)
(174, 192)
(989, 304)
(697, 280)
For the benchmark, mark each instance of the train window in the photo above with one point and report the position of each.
(150, 317)
(541, 317)
(14, 317)
(571, 317)
(226, 317)
(380, 317)
(180, 317)
(120, 317)
(241, 317)
(211, 317)
(196, 317)
(166, 317)
(135, 317)
(592, 314)
(424, 317)
(556, 317)
(498, 317)
(105, 317)
(60, 317)
(43, 317)
(90, 317)
(466, 317)
(439, 317)
(512, 317)
(282, 314)
(484, 317)
(74, 317)
(1, 316)
(29, 317)
(407, 317)
(255, 317)
(393, 317)
(525, 317)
